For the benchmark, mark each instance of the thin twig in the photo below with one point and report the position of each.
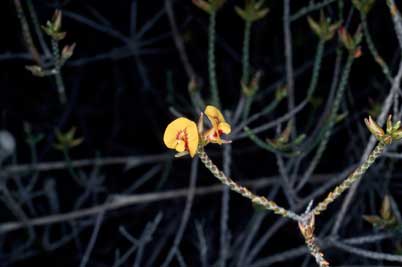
(178, 40)
(186, 213)
(367, 253)
(130, 161)
(289, 61)
(27, 33)
(224, 234)
(92, 241)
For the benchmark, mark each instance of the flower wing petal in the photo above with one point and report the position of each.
(192, 138)
(214, 115)
(224, 127)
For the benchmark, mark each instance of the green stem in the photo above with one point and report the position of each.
(34, 161)
(57, 65)
(267, 146)
(373, 49)
(213, 86)
(355, 176)
(246, 53)
(247, 106)
(316, 69)
(38, 30)
(331, 122)
(342, 86)
(70, 167)
(261, 201)
(26, 33)
(246, 67)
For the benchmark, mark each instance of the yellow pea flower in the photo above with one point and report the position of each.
(182, 135)
(219, 126)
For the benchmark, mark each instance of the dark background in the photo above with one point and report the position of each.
(120, 100)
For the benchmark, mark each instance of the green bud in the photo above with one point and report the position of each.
(397, 135)
(67, 51)
(374, 128)
(53, 27)
(251, 88)
(351, 42)
(396, 126)
(281, 93)
(387, 139)
(389, 124)
(35, 70)
(67, 140)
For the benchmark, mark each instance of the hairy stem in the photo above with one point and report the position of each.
(355, 176)
(213, 86)
(261, 201)
(306, 226)
(59, 79)
(246, 53)
(289, 61)
(373, 50)
(316, 69)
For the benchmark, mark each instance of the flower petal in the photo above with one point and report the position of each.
(189, 139)
(192, 139)
(171, 131)
(214, 115)
(180, 146)
(219, 125)
(224, 127)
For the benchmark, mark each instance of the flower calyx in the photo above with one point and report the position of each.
(364, 6)
(53, 27)
(253, 10)
(386, 218)
(67, 140)
(324, 29)
(251, 88)
(209, 6)
(350, 42)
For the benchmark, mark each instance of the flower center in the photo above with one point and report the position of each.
(182, 140)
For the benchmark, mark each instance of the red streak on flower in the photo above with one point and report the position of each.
(182, 135)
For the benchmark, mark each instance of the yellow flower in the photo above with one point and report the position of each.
(219, 126)
(182, 135)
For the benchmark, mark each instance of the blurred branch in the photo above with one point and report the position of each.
(26, 33)
(310, 8)
(118, 202)
(186, 214)
(178, 40)
(130, 161)
(367, 253)
(289, 62)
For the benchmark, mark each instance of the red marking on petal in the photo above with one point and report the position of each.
(183, 136)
